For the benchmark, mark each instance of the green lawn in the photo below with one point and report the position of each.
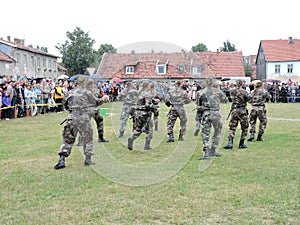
(167, 185)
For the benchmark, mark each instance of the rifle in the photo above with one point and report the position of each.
(63, 121)
(229, 113)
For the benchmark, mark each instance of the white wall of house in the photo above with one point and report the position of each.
(284, 75)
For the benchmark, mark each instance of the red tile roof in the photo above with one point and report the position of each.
(212, 63)
(61, 68)
(281, 50)
(4, 57)
(26, 48)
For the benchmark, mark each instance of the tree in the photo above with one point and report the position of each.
(228, 47)
(199, 48)
(248, 71)
(102, 49)
(77, 52)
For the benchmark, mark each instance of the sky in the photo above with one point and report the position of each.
(123, 22)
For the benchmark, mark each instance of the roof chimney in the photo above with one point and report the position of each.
(132, 52)
(8, 38)
(290, 40)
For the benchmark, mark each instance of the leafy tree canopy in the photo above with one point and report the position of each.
(228, 47)
(102, 49)
(199, 48)
(77, 52)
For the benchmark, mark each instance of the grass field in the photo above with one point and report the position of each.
(167, 185)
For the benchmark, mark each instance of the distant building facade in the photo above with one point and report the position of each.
(278, 60)
(19, 60)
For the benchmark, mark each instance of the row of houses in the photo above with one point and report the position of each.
(276, 59)
(17, 60)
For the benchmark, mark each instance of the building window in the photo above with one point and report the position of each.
(129, 69)
(54, 66)
(32, 61)
(38, 62)
(25, 60)
(44, 63)
(290, 68)
(277, 68)
(196, 70)
(181, 68)
(49, 64)
(161, 69)
(18, 58)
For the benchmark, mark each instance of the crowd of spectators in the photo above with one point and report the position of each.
(27, 98)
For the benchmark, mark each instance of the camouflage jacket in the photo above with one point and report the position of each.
(239, 97)
(259, 97)
(129, 96)
(209, 98)
(177, 96)
(81, 99)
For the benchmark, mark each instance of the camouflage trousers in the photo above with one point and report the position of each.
(99, 123)
(79, 124)
(261, 114)
(142, 123)
(198, 119)
(211, 119)
(174, 113)
(125, 114)
(239, 116)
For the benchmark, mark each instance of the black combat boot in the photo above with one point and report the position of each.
(88, 160)
(206, 155)
(171, 137)
(130, 144)
(121, 134)
(61, 163)
(214, 153)
(230, 143)
(180, 138)
(79, 141)
(147, 144)
(242, 144)
(102, 139)
(196, 133)
(259, 137)
(156, 125)
(251, 136)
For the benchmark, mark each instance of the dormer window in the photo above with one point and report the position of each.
(129, 70)
(181, 68)
(161, 69)
(196, 70)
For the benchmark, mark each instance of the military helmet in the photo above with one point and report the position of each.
(258, 84)
(90, 82)
(209, 81)
(80, 80)
(128, 84)
(178, 83)
(239, 83)
(145, 84)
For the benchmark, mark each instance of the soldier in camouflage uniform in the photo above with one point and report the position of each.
(90, 85)
(176, 98)
(142, 117)
(129, 97)
(156, 98)
(208, 101)
(239, 113)
(258, 110)
(78, 101)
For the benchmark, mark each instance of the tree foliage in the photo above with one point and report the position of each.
(199, 48)
(248, 71)
(77, 52)
(228, 47)
(102, 49)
